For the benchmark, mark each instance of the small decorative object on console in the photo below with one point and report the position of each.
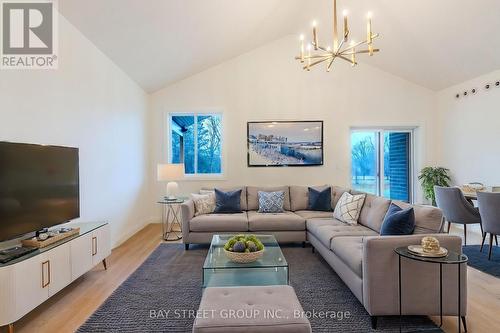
(429, 248)
(43, 236)
(244, 249)
(47, 238)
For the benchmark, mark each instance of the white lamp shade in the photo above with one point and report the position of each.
(168, 172)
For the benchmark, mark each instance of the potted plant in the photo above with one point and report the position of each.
(433, 176)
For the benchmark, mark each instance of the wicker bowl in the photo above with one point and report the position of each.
(244, 257)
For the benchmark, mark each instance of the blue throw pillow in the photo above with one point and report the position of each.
(320, 199)
(398, 221)
(227, 202)
(271, 202)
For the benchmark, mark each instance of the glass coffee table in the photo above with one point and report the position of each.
(219, 271)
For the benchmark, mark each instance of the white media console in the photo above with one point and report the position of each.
(28, 281)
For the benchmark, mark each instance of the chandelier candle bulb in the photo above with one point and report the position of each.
(308, 58)
(346, 28)
(369, 28)
(302, 48)
(335, 32)
(315, 35)
(353, 54)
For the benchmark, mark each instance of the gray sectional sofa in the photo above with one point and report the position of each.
(364, 260)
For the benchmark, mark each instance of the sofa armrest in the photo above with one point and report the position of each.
(187, 212)
(420, 280)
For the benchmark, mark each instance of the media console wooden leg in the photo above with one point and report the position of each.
(104, 264)
(10, 328)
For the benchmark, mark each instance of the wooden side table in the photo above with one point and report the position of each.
(170, 218)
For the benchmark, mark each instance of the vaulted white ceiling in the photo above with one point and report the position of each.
(433, 43)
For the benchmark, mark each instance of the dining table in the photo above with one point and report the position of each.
(472, 195)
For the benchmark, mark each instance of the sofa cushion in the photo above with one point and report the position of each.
(286, 221)
(253, 195)
(299, 196)
(243, 201)
(227, 202)
(271, 202)
(314, 214)
(428, 219)
(320, 200)
(203, 203)
(349, 207)
(318, 222)
(398, 221)
(327, 229)
(350, 251)
(219, 222)
(373, 212)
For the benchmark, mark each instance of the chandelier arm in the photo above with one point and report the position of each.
(347, 59)
(323, 49)
(315, 63)
(360, 51)
(337, 51)
(329, 67)
(316, 56)
(353, 46)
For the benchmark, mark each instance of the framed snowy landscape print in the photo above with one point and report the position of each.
(284, 143)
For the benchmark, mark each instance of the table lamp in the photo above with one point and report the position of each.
(171, 173)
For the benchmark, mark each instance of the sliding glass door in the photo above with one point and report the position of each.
(382, 162)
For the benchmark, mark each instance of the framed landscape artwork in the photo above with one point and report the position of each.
(284, 143)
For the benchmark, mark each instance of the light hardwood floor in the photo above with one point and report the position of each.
(66, 311)
(483, 312)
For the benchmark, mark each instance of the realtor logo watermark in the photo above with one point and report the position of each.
(29, 34)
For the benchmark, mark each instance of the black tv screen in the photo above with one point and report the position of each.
(39, 187)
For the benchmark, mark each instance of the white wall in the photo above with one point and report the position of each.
(469, 131)
(267, 84)
(91, 104)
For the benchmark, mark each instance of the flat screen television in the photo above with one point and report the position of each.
(39, 187)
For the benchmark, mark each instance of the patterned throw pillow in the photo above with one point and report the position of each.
(203, 203)
(349, 207)
(271, 202)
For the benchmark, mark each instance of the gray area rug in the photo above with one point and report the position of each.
(479, 260)
(170, 280)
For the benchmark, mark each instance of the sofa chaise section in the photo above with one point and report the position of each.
(369, 266)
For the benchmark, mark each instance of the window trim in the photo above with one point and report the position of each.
(167, 147)
(380, 130)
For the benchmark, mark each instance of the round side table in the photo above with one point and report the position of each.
(452, 258)
(170, 217)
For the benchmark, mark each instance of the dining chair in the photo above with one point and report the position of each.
(489, 207)
(456, 209)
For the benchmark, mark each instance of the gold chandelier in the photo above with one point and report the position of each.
(317, 54)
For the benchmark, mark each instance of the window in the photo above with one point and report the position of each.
(382, 162)
(196, 141)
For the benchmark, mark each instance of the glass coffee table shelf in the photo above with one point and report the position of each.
(219, 271)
